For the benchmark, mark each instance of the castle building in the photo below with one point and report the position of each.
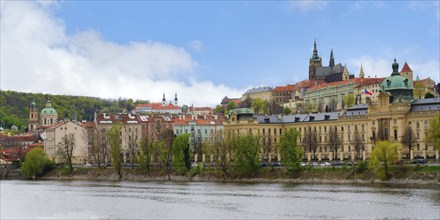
(161, 108)
(331, 73)
(357, 129)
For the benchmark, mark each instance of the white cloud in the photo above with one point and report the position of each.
(308, 5)
(37, 55)
(381, 67)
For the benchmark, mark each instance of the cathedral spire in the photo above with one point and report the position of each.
(361, 72)
(175, 99)
(164, 101)
(332, 59)
(315, 52)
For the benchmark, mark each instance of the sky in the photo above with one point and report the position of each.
(205, 50)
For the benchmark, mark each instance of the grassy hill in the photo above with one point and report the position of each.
(15, 106)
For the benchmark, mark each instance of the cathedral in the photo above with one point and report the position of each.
(330, 73)
(48, 117)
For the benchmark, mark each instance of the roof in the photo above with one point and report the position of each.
(258, 90)
(193, 109)
(271, 119)
(298, 85)
(358, 81)
(326, 70)
(360, 109)
(432, 104)
(18, 138)
(396, 82)
(106, 118)
(88, 125)
(159, 105)
(243, 111)
(405, 68)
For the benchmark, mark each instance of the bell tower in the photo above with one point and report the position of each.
(315, 61)
(33, 117)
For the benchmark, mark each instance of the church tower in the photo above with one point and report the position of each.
(315, 61)
(345, 75)
(361, 72)
(407, 72)
(164, 101)
(175, 99)
(331, 63)
(33, 117)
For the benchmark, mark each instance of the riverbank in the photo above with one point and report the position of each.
(347, 175)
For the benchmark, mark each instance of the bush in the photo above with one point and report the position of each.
(361, 167)
(36, 164)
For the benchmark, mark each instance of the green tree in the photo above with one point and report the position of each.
(258, 105)
(429, 95)
(409, 139)
(383, 155)
(246, 152)
(222, 149)
(145, 153)
(218, 109)
(232, 105)
(286, 110)
(65, 150)
(419, 90)
(291, 153)
(115, 139)
(247, 103)
(434, 132)
(165, 149)
(349, 100)
(311, 107)
(181, 159)
(35, 163)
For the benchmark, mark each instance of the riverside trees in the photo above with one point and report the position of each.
(36, 163)
(65, 150)
(246, 152)
(382, 156)
(291, 153)
(115, 139)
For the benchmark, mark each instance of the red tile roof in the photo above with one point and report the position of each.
(302, 84)
(357, 81)
(405, 68)
(158, 105)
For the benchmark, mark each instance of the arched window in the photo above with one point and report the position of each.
(395, 134)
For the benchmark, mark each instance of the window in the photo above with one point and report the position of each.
(281, 131)
(275, 131)
(263, 131)
(395, 134)
(418, 125)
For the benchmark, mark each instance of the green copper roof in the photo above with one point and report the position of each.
(243, 111)
(48, 110)
(396, 82)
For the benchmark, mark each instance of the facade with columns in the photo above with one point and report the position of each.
(386, 119)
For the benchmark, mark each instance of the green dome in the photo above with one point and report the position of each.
(48, 110)
(399, 87)
(396, 82)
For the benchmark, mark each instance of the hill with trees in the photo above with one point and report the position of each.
(15, 106)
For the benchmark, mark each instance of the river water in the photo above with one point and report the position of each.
(199, 200)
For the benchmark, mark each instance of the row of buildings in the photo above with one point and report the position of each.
(327, 86)
(384, 108)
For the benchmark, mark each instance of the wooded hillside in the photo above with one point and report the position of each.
(14, 106)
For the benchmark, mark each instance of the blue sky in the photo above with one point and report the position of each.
(206, 50)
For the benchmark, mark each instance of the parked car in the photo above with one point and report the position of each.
(338, 163)
(314, 164)
(194, 165)
(419, 161)
(325, 164)
(276, 164)
(303, 164)
(87, 165)
(264, 164)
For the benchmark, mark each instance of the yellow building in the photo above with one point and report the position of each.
(264, 93)
(350, 134)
